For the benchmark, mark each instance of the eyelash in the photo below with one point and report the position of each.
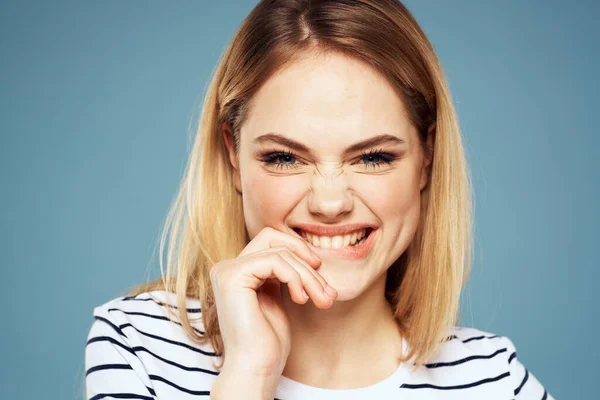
(271, 158)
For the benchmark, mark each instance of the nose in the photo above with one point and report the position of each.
(330, 197)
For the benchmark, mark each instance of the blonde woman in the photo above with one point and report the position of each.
(322, 233)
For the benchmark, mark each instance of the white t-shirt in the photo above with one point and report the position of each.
(135, 352)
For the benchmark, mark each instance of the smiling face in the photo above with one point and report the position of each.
(300, 163)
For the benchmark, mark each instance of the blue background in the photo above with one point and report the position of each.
(97, 102)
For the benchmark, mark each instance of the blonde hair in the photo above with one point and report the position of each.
(205, 223)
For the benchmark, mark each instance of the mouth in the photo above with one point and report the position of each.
(354, 245)
(352, 240)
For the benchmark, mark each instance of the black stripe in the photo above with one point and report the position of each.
(102, 367)
(134, 298)
(480, 337)
(108, 366)
(143, 349)
(116, 328)
(121, 396)
(545, 395)
(130, 297)
(182, 389)
(187, 346)
(451, 337)
(173, 363)
(464, 360)
(517, 390)
(161, 317)
(512, 356)
(465, 386)
(109, 339)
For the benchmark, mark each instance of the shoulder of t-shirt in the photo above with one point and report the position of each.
(464, 345)
(492, 352)
(477, 340)
(137, 346)
(153, 310)
(157, 302)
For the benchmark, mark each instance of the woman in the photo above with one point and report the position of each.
(322, 233)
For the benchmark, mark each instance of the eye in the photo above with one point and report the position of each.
(377, 158)
(287, 159)
(280, 159)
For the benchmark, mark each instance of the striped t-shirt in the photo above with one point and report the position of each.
(135, 352)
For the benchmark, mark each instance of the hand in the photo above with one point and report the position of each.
(255, 330)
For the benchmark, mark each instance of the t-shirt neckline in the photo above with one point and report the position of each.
(289, 389)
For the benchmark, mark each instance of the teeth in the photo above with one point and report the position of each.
(347, 240)
(313, 239)
(335, 242)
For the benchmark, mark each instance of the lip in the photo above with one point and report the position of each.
(350, 252)
(321, 230)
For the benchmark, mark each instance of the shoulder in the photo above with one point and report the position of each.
(147, 308)
(483, 360)
(155, 300)
(142, 335)
(468, 347)
(149, 318)
(475, 340)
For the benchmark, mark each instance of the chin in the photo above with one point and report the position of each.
(349, 285)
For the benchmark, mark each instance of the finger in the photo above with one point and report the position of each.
(269, 237)
(313, 282)
(272, 265)
(313, 286)
(318, 276)
(310, 269)
(289, 254)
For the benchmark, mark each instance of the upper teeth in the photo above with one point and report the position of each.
(335, 242)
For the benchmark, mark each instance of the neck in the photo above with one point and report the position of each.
(331, 347)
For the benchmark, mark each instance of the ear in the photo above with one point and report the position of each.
(233, 158)
(428, 158)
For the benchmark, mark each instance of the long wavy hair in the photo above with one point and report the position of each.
(206, 224)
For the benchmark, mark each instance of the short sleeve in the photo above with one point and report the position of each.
(525, 384)
(113, 370)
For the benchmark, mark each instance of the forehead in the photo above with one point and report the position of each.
(327, 97)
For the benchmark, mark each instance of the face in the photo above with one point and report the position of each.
(305, 168)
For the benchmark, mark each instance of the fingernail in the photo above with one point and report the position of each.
(304, 294)
(331, 292)
(314, 256)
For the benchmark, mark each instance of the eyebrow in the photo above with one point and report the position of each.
(380, 139)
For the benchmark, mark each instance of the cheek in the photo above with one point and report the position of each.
(394, 198)
(268, 200)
